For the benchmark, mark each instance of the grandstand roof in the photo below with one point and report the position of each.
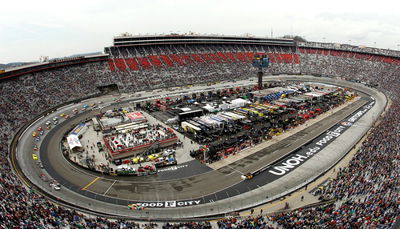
(129, 40)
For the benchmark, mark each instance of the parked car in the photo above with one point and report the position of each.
(137, 160)
(168, 152)
(152, 157)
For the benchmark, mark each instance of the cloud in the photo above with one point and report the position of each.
(58, 28)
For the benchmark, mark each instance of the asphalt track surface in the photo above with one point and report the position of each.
(194, 182)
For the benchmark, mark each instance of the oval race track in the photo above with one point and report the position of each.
(196, 190)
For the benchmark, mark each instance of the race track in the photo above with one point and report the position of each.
(190, 184)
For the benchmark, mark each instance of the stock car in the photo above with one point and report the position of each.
(135, 207)
(48, 125)
(55, 186)
(84, 107)
(35, 147)
(247, 176)
(164, 161)
(34, 157)
(152, 157)
(40, 164)
(168, 152)
(55, 120)
(137, 160)
(34, 134)
(147, 168)
(44, 177)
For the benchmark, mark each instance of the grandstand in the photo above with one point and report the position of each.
(365, 193)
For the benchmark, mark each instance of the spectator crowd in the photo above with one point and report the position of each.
(366, 192)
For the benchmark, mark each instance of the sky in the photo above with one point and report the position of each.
(30, 29)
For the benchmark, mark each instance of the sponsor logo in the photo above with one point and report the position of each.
(172, 168)
(167, 204)
(287, 165)
(296, 159)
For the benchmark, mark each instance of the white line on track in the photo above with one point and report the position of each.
(234, 169)
(109, 187)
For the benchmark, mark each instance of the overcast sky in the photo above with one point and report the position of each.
(30, 29)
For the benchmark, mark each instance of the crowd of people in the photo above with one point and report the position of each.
(249, 222)
(366, 191)
(182, 68)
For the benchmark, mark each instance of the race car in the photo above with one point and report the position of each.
(55, 186)
(34, 156)
(162, 162)
(55, 120)
(135, 207)
(137, 160)
(34, 134)
(44, 177)
(48, 125)
(149, 168)
(168, 152)
(152, 157)
(40, 164)
(247, 176)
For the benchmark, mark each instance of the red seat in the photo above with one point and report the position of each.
(166, 60)
(111, 65)
(132, 64)
(144, 62)
(155, 61)
(120, 63)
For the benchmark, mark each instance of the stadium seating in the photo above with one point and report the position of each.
(366, 190)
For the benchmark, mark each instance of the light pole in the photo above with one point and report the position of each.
(260, 62)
